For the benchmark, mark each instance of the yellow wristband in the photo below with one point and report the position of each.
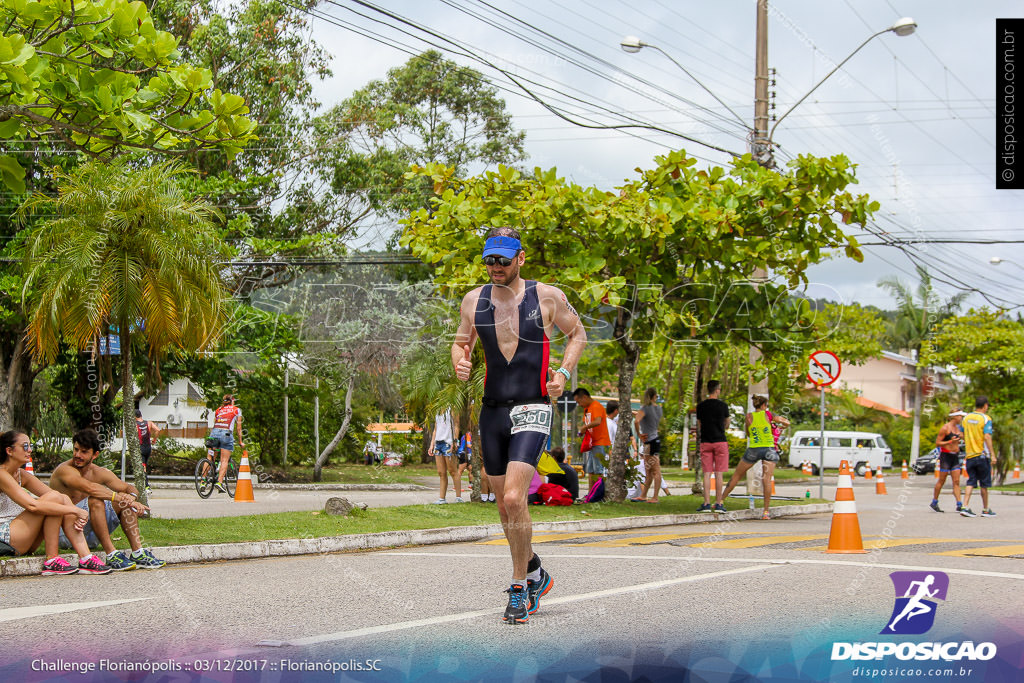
(112, 494)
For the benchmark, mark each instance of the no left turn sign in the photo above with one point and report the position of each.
(823, 368)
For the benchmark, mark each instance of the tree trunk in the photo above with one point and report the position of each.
(698, 472)
(128, 414)
(475, 464)
(915, 439)
(322, 457)
(615, 483)
(16, 389)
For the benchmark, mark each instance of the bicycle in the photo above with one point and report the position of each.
(206, 474)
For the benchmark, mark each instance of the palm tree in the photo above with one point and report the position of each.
(123, 250)
(917, 314)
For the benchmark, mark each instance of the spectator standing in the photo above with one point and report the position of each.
(760, 446)
(949, 441)
(595, 421)
(713, 418)
(647, 420)
(147, 434)
(980, 456)
(444, 455)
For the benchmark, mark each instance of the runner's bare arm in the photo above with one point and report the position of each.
(465, 336)
(566, 319)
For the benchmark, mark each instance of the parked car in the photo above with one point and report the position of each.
(860, 449)
(926, 463)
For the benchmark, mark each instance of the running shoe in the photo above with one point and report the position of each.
(57, 565)
(145, 560)
(440, 501)
(517, 611)
(538, 588)
(93, 565)
(459, 499)
(719, 508)
(220, 487)
(988, 513)
(119, 561)
(706, 507)
(766, 515)
(966, 512)
(959, 506)
(935, 506)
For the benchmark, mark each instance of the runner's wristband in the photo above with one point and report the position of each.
(564, 372)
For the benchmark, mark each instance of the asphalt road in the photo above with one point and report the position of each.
(719, 598)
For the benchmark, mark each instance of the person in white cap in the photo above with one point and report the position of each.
(949, 439)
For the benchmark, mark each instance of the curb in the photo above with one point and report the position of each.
(185, 554)
(309, 487)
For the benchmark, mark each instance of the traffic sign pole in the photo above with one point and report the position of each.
(822, 370)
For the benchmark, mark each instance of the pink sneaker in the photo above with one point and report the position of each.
(58, 565)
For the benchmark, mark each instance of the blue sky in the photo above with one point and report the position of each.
(915, 113)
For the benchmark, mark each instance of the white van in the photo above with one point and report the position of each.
(860, 449)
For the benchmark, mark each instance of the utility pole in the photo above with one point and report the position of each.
(760, 148)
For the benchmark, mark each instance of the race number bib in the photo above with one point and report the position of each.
(532, 417)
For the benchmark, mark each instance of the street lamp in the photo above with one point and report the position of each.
(903, 27)
(995, 261)
(632, 44)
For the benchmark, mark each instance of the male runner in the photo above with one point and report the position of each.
(981, 456)
(515, 319)
(948, 441)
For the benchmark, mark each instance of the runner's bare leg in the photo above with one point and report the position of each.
(511, 491)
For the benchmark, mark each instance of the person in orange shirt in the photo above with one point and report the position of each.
(596, 421)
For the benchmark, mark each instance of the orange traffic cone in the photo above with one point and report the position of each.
(1016, 471)
(243, 487)
(807, 468)
(867, 472)
(936, 470)
(880, 484)
(773, 484)
(711, 486)
(963, 469)
(29, 468)
(904, 473)
(686, 463)
(844, 537)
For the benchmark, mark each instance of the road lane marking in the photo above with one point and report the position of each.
(695, 558)
(542, 537)
(462, 616)
(997, 551)
(735, 543)
(15, 613)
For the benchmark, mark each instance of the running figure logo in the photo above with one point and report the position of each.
(913, 612)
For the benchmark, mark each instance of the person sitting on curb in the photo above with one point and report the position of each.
(109, 501)
(27, 520)
(568, 478)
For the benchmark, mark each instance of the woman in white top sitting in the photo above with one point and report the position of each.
(25, 519)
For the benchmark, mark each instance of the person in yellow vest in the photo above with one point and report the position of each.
(980, 456)
(760, 446)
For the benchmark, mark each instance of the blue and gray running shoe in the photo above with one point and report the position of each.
(119, 561)
(538, 588)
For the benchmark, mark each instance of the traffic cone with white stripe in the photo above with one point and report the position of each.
(936, 470)
(711, 486)
(243, 487)
(1016, 471)
(904, 473)
(867, 472)
(880, 483)
(844, 536)
(686, 463)
(963, 469)
(29, 468)
(773, 484)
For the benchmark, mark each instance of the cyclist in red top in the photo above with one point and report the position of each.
(226, 419)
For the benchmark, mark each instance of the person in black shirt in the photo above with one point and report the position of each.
(713, 418)
(568, 479)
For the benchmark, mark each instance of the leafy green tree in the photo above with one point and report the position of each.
(429, 110)
(988, 347)
(917, 313)
(655, 255)
(99, 77)
(123, 251)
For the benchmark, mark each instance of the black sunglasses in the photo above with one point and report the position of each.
(500, 260)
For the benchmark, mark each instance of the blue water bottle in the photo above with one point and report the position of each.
(750, 502)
